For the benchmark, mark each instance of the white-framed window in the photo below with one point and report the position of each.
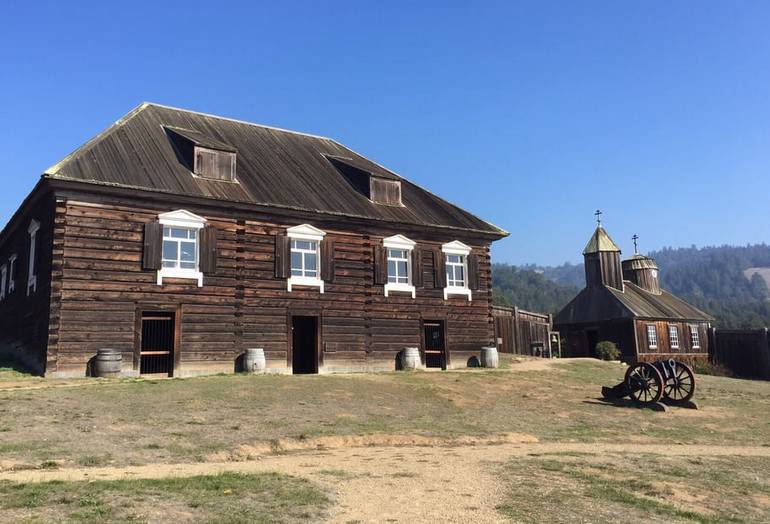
(399, 261)
(305, 252)
(3, 276)
(652, 336)
(304, 258)
(34, 226)
(695, 337)
(12, 273)
(181, 246)
(456, 267)
(673, 337)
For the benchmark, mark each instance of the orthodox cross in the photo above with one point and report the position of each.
(635, 238)
(598, 215)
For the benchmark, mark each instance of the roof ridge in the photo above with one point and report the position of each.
(237, 121)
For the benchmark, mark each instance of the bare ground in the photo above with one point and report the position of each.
(372, 482)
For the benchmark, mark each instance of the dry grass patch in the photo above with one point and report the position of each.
(226, 498)
(590, 488)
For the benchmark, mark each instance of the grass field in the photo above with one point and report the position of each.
(89, 423)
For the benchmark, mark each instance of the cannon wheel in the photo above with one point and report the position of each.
(644, 383)
(680, 386)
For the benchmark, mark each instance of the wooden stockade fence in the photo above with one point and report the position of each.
(745, 352)
(516, 330)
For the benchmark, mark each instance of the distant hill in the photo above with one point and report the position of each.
(728, 282)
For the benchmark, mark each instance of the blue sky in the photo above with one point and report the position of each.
(530, 114)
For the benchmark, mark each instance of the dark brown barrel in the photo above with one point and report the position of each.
(108, 363)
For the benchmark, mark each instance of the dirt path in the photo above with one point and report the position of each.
(394, 483)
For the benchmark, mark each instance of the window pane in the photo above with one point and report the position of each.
(304, 244)
(187, 265)
(460, 273)
(402, 269)
(310, 261)
(296, 272)
(449, 275)
(296, 261)
(166, 231)
(193, 233)
(391, 268)
(170, 250)
(453, 258)
(310, 273)
(188, 251)
(178, 233)
(168, 263)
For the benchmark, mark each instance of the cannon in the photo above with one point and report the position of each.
(650, 382)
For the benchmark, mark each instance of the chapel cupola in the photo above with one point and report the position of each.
(642, 271)
(602, 259)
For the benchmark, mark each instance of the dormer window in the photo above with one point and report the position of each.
(202, 154)
(384, 191)
(214, 164)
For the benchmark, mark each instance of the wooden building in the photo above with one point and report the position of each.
(182, 239)
(623, 303)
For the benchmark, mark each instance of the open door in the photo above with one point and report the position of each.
(304, 344)
(435, 345)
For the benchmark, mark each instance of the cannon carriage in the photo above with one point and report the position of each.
(650, 382)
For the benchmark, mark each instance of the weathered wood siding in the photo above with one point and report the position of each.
(685, 352)
(516, 330)
(103, 287)
(24, 326)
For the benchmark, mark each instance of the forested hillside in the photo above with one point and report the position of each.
(711, 278)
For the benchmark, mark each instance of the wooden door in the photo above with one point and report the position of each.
(157, 344)
(435, 345)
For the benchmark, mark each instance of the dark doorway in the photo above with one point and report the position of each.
(304, 344)
(592, 337)
(435, 348)
(157, 350)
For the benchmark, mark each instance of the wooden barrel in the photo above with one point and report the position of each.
(254, 360)
(108, 362)
(410, 359)
(489, 357)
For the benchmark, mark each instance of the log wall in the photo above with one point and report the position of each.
(24, 326)
(103, 288)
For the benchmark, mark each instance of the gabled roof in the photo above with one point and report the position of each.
(600, 303)
(600, 241)
(274, 167)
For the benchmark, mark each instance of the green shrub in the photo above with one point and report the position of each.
(606, 350)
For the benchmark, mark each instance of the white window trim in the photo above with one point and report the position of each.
(673, 329)
(694, 336)
(34, 227)
(3, 277)
(400, 242)
(11, 271)
(650, 345)
(313, 234)
(457, 248)
(183, 219)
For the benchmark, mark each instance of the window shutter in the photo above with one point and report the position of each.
(416, 267)
(208, 250)
(474, 280)
(439, 269)
(327, 260)
(380, 266)
(282, 258)
(153, 246)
